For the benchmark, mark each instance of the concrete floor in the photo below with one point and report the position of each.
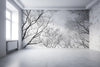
(32, 57)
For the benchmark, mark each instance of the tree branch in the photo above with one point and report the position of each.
(31, 25)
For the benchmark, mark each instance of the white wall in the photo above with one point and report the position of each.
(95, 27)
(2, 28)
(20, 22)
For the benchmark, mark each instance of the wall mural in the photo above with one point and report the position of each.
(56, 28)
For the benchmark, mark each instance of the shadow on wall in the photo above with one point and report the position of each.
(56, 28)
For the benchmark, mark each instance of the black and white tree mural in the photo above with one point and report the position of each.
(56, 28)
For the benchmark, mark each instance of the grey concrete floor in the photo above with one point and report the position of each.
(47, 57)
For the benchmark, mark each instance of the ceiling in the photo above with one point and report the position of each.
(56, 4)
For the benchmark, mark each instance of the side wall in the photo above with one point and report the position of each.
(2, 28)
(95, 27)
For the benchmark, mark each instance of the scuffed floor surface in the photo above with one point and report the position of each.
(48, 57)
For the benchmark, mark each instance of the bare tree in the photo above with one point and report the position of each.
(52, 38)
(83, 30)
(38, 21)
(80, 24)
